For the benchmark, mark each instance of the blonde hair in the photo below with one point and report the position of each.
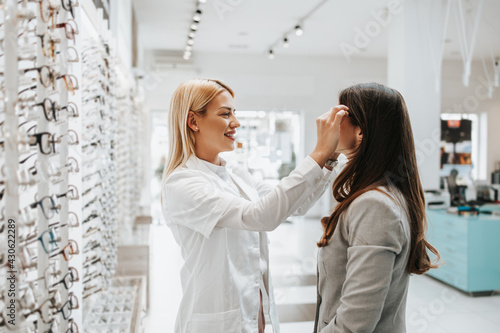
(192, 95)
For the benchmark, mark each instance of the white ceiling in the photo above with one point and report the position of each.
(251, 26)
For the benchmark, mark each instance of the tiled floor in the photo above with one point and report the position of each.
(432, 306)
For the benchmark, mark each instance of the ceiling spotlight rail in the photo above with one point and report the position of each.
(297, 29)
(193, 28)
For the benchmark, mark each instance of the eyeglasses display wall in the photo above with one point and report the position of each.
(68, 166)
(128, 149)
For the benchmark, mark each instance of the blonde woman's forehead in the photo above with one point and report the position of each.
(222, 100)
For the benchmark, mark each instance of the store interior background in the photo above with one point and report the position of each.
(232, 43)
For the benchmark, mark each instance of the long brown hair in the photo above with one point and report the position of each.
(385, 157)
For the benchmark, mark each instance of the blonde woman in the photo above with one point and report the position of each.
(220, 217)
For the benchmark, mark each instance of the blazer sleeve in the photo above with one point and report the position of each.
(190, 200)
(375, 236)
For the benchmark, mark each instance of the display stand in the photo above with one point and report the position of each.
(69, 165)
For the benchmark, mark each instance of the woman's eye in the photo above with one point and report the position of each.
(226, 114)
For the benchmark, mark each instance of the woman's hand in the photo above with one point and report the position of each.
(328, 126)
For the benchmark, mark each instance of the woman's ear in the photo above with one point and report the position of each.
(359, 135)
(191, 121)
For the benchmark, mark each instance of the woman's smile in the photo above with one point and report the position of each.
(219, 119)
(230, 135)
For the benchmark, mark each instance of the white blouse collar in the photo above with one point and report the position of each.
(219, 170)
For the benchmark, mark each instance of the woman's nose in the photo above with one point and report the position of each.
(235, 123)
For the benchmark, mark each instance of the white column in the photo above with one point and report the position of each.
(414, 69)
(120, 23)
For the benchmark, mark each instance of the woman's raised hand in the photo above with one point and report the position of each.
(328, 126)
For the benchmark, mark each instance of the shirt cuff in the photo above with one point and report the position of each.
(310, 170)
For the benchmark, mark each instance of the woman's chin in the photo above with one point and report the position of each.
(230, 148)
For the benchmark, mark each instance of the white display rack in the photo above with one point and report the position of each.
(120, 308)
(70, 167)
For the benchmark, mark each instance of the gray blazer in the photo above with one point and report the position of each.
(362, 276)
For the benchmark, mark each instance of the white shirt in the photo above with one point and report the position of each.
(221, 171)
(221, 232)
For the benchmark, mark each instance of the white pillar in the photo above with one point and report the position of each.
(414, 69)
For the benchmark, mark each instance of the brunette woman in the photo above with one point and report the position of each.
(375, 237)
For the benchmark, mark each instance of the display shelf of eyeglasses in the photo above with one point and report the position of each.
(127, 156)
(118, 309)
(99, 212)
(33, 307)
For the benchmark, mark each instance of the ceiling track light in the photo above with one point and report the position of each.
(271, 54)
(285, 42)
(192, 30)
(197, 15)
(298, 30)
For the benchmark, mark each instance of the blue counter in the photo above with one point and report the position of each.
(470, 250)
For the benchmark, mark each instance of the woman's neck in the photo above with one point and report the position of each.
(210, 158)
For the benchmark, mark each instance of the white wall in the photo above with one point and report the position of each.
(311, 84)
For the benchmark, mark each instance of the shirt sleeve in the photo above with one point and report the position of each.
(191, 200)
(325, 183)
(375, 236)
